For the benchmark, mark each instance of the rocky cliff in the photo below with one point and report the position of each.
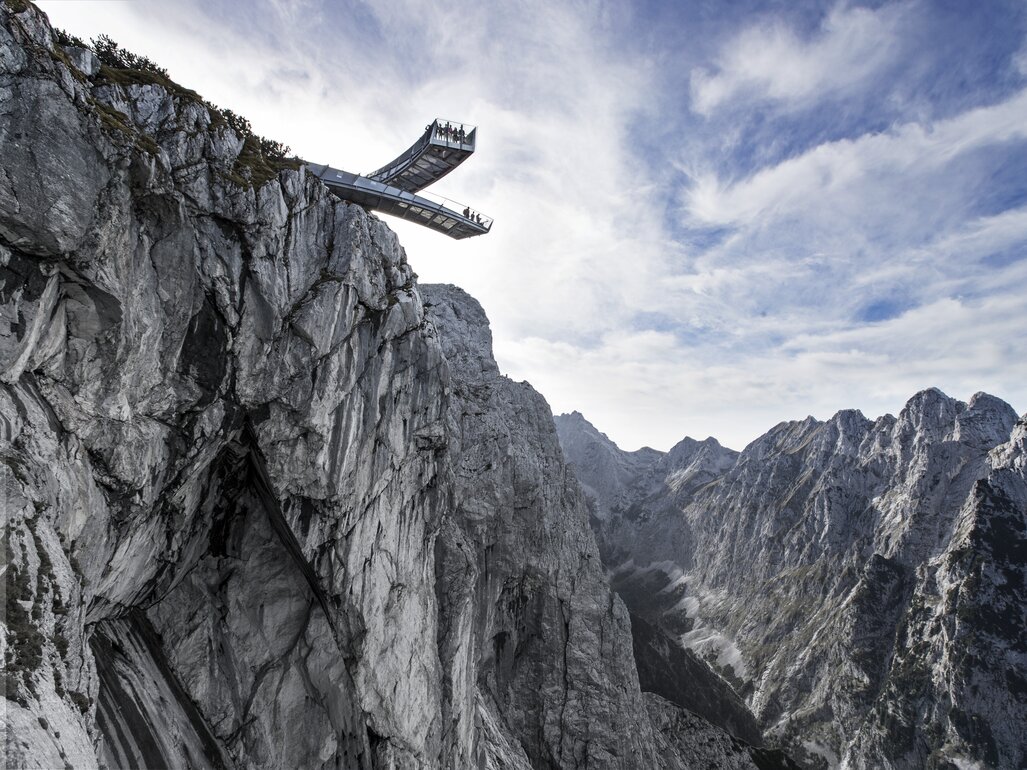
(265, 503)
(859, 582)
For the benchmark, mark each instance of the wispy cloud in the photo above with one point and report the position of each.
(1020, 59)
(770, 61)
(677, 389)
(823, 175)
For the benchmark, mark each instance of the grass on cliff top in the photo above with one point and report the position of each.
(125, 68)
(16, 6)
(260, 159)
(125, 76)
(254, 166)
(117, 122)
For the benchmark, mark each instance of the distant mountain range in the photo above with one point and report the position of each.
(859, 583)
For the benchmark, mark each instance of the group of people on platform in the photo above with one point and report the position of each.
(450, 132)
(474, 216)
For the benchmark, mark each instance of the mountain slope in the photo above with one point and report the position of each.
(822, 573)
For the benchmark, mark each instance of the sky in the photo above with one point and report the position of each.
(710, 216)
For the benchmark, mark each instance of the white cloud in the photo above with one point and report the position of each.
(1020, 59)
(771, 62)
(985, 236)
(655, 390)
(822, 176)
(884, 218)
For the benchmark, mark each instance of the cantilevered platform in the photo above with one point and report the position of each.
(438, 214)
(443, 146)
(393, 189)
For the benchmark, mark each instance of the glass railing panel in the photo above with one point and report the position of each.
(466, 212)
(453, 132)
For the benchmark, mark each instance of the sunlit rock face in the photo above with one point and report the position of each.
(220, 416)
(263, 505)
(860, 583)
(537, 641)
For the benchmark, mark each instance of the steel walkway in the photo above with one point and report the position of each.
(441, 215)
(393, 189)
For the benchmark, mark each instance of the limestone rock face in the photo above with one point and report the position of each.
(261, 509)
(550, 650)
(859, 583)
(214, 402)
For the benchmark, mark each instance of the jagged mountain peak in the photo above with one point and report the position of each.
(787, 436)
(1013, 453)
(689, 457)
(981, 397)
(930, 418)
(613, 468)
(469, 337)
(988, 420)
(855, 580)
(576, 416)
(931, 409)
(851, 421)
(581, 424)
(689, 445)
(576, 424)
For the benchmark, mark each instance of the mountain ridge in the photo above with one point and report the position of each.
(805, 567)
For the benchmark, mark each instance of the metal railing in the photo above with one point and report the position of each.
(452, 132)
(450, 206)
(436, 204)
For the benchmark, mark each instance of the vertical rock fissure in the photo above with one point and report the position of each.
(124, 649)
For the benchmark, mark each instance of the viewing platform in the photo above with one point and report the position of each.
(443, 146)
(396, 187)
